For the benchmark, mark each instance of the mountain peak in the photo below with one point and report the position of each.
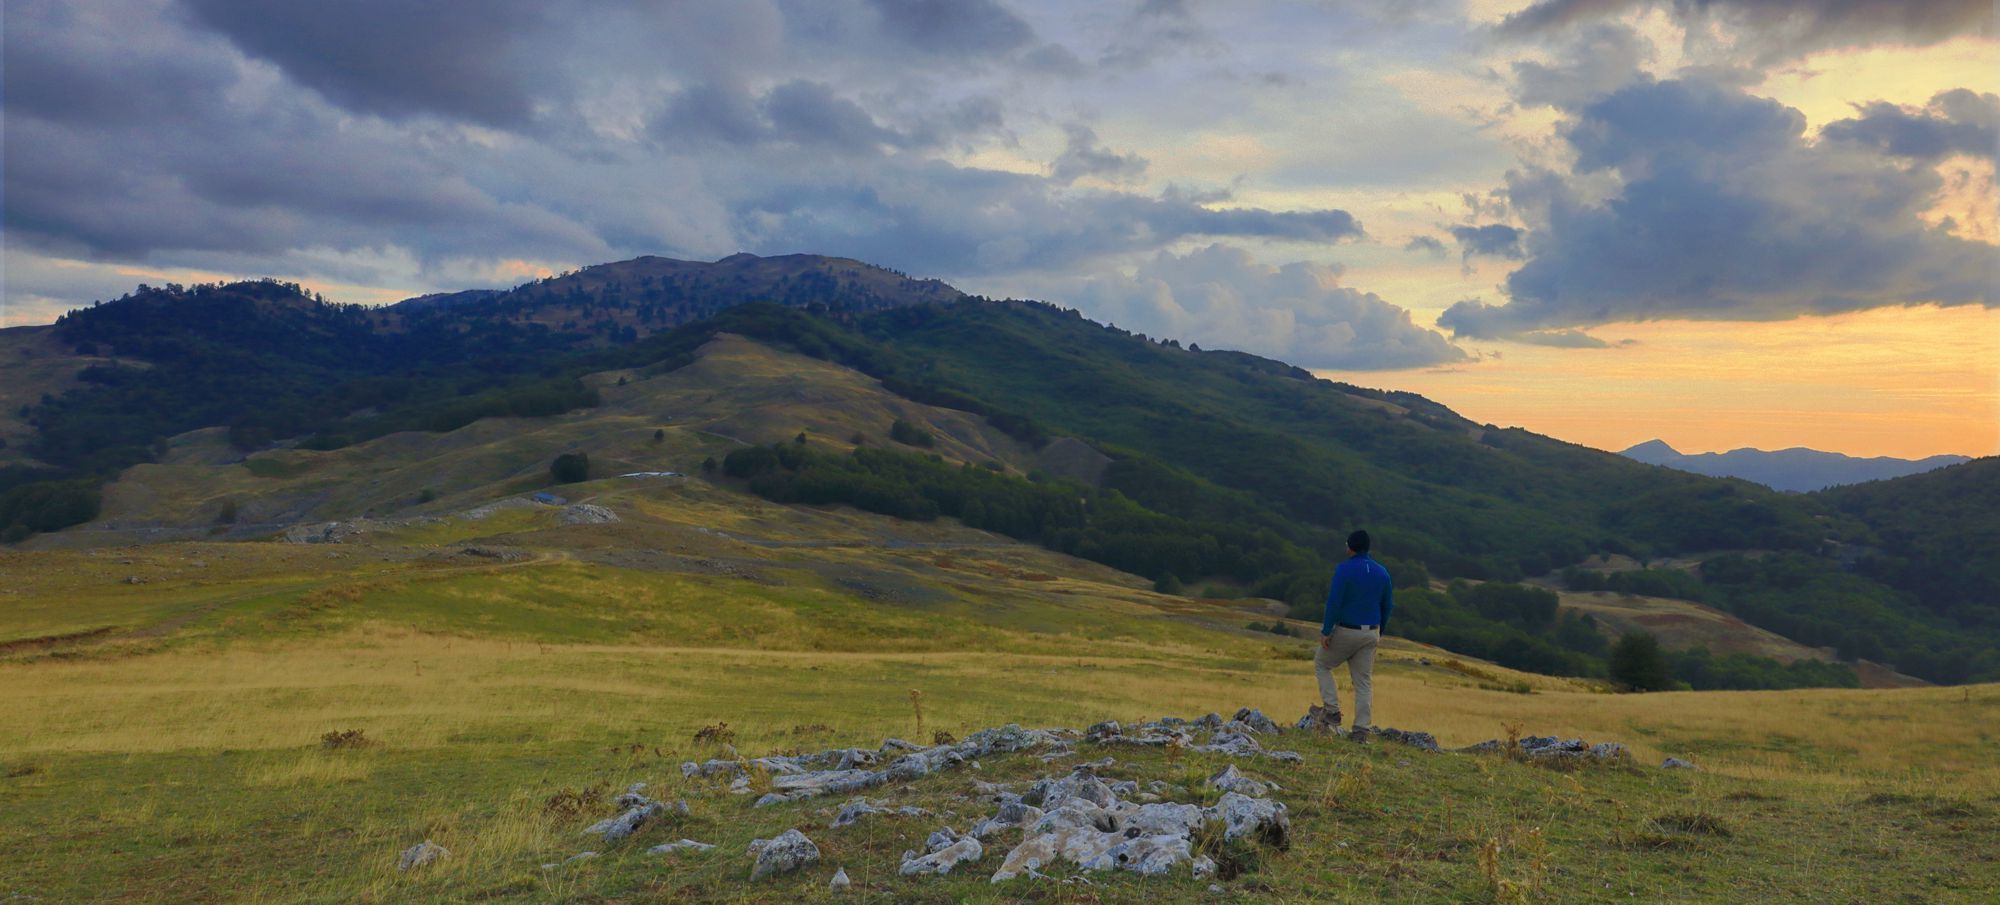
(1644, 451)
(620, 301)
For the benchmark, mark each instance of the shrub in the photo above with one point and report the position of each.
(910, 435)
(570, 468)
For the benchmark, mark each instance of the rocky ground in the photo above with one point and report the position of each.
(1070, 819)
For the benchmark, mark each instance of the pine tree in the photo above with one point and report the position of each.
(1636, 663)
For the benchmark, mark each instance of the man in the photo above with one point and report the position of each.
(1357, 607)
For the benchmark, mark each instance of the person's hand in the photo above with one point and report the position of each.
(1326, 641)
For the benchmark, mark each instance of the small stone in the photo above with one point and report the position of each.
(629, 822)
(787, 852)
(1259, 818)
(579, 856)
(1168, 819)
(422, 854)
(1204, 866)
(852, 813)
(1150, 856)
(688, 845)
(942, 860)
(840, 883)
(1420, 740)
(1257, 721)
(1233, 780)
(1675, 763)
(1080, 784)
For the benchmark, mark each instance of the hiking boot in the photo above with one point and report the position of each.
(1321, 718)
(1360, 734)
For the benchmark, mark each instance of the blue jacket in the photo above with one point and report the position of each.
(1360, 595)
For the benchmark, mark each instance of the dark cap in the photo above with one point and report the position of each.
(1358, 542)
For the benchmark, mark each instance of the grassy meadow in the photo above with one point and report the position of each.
(165, 707)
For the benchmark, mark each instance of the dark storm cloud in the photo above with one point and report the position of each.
(810, 113)
(202, 158)
(393, 57)
(1085, 157)
(1155, 29)
(937, 218)
(718, 111)
(382, 144)
(1561, 339)
(1594, 62)
(1428, 244)
(70, 62)
(1774, 30)
(1955, 122)
(980, 27)
(813, 114)
(1493, 240)
(1722, 210)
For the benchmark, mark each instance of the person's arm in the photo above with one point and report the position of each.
(1332, 606)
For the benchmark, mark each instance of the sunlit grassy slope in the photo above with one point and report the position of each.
(737, 392)
(162, 737)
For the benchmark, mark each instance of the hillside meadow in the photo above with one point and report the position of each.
(502, 679)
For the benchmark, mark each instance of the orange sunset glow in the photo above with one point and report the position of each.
(1903, 382)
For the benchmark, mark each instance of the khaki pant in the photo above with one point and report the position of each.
(1356, 648)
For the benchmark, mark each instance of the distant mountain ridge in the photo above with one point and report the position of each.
(625, 300)
(1797, 470)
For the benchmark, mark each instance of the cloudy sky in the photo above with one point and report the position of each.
(1718, 222)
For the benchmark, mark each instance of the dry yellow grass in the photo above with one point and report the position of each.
(416, 691)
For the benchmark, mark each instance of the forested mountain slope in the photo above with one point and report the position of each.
(1222, 466)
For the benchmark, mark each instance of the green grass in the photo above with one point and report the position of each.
(302, 824)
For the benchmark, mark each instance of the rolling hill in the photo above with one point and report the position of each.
(1206, 467)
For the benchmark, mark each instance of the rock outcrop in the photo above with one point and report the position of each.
(1077, 817)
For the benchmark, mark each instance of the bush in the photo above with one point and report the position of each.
(748, 462)
(1167, 584)
(49, 505)
(910, 435)
(569, 468)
